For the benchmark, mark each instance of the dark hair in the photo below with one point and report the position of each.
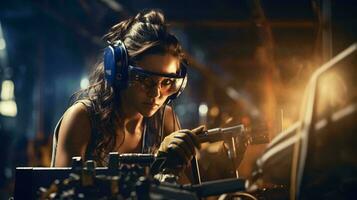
(144, 34)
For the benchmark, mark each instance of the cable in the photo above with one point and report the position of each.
(176, 122)
(162, 123)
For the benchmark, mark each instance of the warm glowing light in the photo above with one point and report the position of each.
(332, 92)
(7, 90)
(84, 83)
(8, 108)
(214, 111)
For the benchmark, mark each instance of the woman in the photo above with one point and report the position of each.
(124, 111)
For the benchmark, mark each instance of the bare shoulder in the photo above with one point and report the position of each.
(74, 134)
(76, 124)
(77, 111)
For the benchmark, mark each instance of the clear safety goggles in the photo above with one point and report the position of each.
(168, 83)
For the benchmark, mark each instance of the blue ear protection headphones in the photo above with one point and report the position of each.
(116, 65)
(116, 68)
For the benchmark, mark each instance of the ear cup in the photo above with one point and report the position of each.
(116, 64)
(109, 65)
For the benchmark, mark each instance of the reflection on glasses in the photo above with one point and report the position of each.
(168, 83)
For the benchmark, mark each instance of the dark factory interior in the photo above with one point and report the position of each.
(257, 63)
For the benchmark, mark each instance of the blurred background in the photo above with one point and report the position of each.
(249, 63)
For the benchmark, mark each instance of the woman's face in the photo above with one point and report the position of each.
(147, 100)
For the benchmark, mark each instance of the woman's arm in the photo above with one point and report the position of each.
(74, 135)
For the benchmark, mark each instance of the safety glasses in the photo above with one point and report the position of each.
(168, 83)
